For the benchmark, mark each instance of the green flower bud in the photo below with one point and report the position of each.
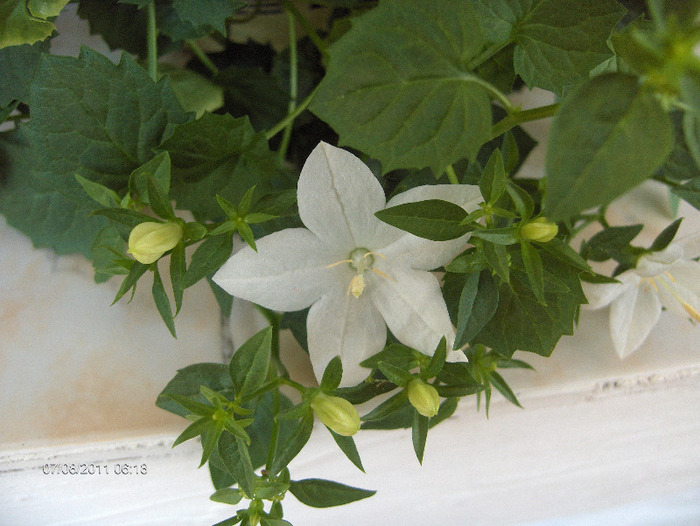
(148, 241)
(540, 229)
(424, 397)
(336, 413)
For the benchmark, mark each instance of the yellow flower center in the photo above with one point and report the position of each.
(661, 281)
(360, 260)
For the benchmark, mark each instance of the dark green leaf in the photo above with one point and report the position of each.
(400, 419)
(477, 304)
(348, 447)
(498, 259)
(611, 242)
(666, 236)
(332, 375)
(533, 267)
(437, 361)
(690, 192)
(227, 496)
(212, 15)
(121, 26)
(522, 200)
(497, 381)
(18, 65)
(387, 407)
(294, 444)
(195, 429)
(162, 302)
(177, 271)
(563, 252)
(400, 89)
(220, 478)
(420, 434)
(498, 236)
(107, 255)
(447, 408)
(234, 454)
(431, 219)
(320, 493)
(158, 199)
(99, 193)
(365, 391)
(396, 354)
(187, 382)
(397, 375)
(249, 364)
(157, 168)
(137, 270)
(207, 259)
(492, 182)
(449, 391)
(608, 136)
(193, 407)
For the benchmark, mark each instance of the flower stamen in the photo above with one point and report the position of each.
(360, 261)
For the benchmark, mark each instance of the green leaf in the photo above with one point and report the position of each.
(207, 259)
(477, 304)
(498, 259)
(437, 361)
(431, 219)
(521, 322)
(124, 216)
(249, 364)
(399, 87)
(447, 409)
(387, 407)
(19, 65)
(198, 427)
(497, 381)
(99, 193)
(193, 407)
(612, 242)
(348, 447)
(162, 302)
(294, 444)
(666, 236)
(195, 92)
(177, 272)
(212, 14)
(563, 252)
(492, 182)
(216, 155)
(396, 354)
(533, 268)
(690, 192)
(395, 374)
(113, 114)
(18, 26)
(607, 137)
(227, 496)
(522, 200)
(690, 94)
(332, 375)
(498, 236)
(104, 260)
(234, 454)
(419, 434)
(320, 493)
(121, 26)
(187, 382)
(557, 42)
(260, 431)
(137, 270)
(158, 199)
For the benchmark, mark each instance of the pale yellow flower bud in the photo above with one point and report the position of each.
(149, 241)
(336, 413)
(424, 397)
(540, 229)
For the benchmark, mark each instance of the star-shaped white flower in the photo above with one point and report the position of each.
(669, 278)
(357, 273)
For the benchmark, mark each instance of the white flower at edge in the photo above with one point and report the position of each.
(357, 273)
(668, 278)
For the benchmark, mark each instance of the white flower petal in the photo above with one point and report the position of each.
(418, 253)
(687, 274)
(690, 245)
(413, 307)
(632, 316)
(342, 325)
(655, 263)
(338, 196)
(676, 298)
(287, 273)
(600, 295)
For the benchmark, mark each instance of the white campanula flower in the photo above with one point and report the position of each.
(669, 278)
(357, 273)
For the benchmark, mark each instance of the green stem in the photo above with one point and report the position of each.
(202, 56)
(290, 117)
(293, 88)
(494, 91)
(520, 116)
(451, 175)
(274, 435)
(487, 54)
(152, 35)
(248, 18)
(310, 31)
(656, 13)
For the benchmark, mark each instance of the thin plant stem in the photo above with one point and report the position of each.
(451, 175)
(290, 117)
(202, 56)
(494, 91)
(293, 88)
(310, 31)
(152, 35)
(520, 116)
(487, 54)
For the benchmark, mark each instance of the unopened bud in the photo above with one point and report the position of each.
(540, 229)
(336, 413)
(149, 241)
(424, 397)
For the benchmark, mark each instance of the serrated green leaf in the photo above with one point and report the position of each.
(319, 493)
(294, 444)
(216, 155)
(162, 302)
(557, 42)
(399, 87)
(19, 65)
(332, 375)
(431, 219)
(18, 26)
(249, 364)
(212, 14)
(607, 137)
(122, 26)
(348, 447)
(233, 452)
(492, 182)
(207, 259)
(419, 434)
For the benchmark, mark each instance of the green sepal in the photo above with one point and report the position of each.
(395, 374)
(207, 259)
(294, 444)
(162, 301)
(319, 493)
(666, 236)
(348, 447)
(436, 361)
(419, 434)
(332, 375)
(249, 364)
(234, 454)
(432, 219)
